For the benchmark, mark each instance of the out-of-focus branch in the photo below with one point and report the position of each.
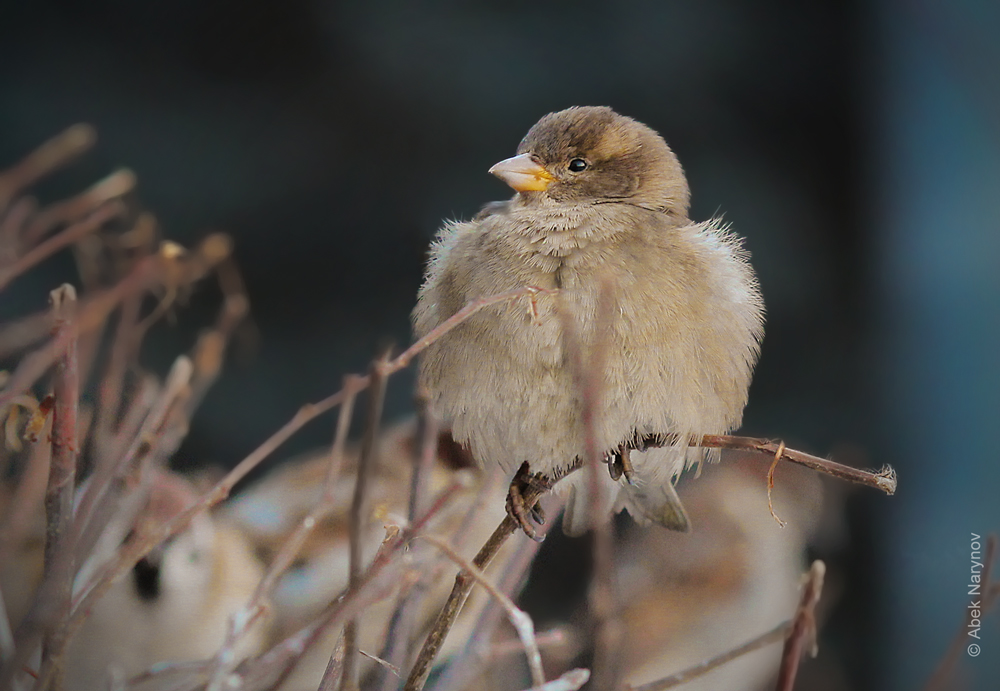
(50, 156)
(479, 647)
(6, 634)
(521, 621)
(570, 681)
(269, 670)
(116, 185)
(589, 373)
(358, 516)
(460, 591)
(241, 622)
(67, 237)
(168, 267)
(58, 563)
(803, 628)
(797, 627)
(90, 315)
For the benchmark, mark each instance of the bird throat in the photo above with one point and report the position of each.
(560, 231)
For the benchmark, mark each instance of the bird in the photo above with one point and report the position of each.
(175, 605)
(600, 200)
(269, 510)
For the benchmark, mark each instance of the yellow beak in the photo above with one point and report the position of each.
(523, 174)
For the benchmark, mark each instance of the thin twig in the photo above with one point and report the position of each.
(778, 633)
(241, 622)
(118, 184)
(798, 627)
(884, 479)
(123, 345)
(590, 373)
(459, 592)
(478, 647)
(6, 634)
(359, 514)
(90, 315)
(803, 628)
(95, 507)
(73, 233)
(12, 226)
(522, 622)
(570, 681)
(335, 666)
(272, 668)
(51, 155)
(58, 564)
(169, 265)
(424, 460)
(27, 496)
(145, 274)
(398, 644)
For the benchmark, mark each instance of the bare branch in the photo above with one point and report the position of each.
(359, 516)
(478, 648)
(284, 655)
(522, 622)
(118, 184)
(241, 622)
(460, 316)
(58, 564)
(335, 667)
(90, 315)
(797, 628)
(50, 156)
(803, 628)
(778, 633)
(570, 681)
(71, 234)
(460, 591)
(590, 372)
(884, 479)
(6, 634)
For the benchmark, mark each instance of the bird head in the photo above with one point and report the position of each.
(593, 155)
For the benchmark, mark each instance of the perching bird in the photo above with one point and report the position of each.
(174, 606)
(601, 200)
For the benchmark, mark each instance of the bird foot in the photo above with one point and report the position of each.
(620, 463)
(517, 509)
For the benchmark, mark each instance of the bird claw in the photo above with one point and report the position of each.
(516, 507)
(620, 463)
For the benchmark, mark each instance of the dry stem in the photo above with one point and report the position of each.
(803, 628)
(794, 632)
(58, 565)
(478, 648)
(358, 515)
(459, 593)
(50, 156)
(590, 377)
(70, 235)
(884, 479)
(521, 621)
(570, 681)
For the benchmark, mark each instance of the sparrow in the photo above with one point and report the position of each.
(173, 606)
(268, 511)
(601, 200)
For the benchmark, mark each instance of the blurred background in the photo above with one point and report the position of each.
(855, 145)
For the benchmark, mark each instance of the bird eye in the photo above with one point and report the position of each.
(577, 165)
